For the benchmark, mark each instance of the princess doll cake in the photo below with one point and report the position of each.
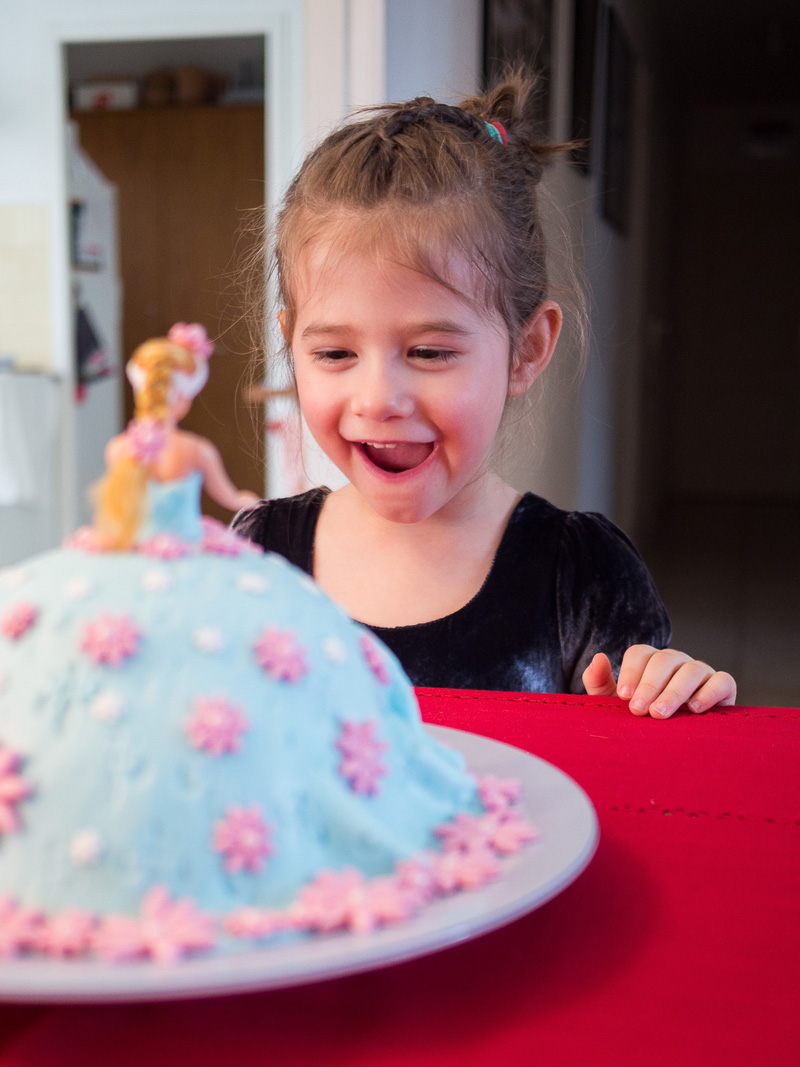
(196, 745)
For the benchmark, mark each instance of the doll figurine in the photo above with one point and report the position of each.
(155, 470)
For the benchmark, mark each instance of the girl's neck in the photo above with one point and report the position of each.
(387, 573)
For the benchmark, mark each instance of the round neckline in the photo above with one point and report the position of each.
(470, 604)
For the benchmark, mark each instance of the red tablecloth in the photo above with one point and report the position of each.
(678, 945)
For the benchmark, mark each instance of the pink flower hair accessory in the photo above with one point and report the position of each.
(192, 335)
(146, 438)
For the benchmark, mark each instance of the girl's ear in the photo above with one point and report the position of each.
(534, 349)
(282, 323)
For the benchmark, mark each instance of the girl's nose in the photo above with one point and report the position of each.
(382, 394)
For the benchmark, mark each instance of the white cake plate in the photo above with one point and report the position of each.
(551, 801)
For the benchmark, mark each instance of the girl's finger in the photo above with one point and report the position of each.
(631, 669)
(718, 691)
(660, 668)
(681, 687)
(598, 678)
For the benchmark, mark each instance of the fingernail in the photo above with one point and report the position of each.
(624, 691)
(662, 709)
(696, 705)
(638, 704)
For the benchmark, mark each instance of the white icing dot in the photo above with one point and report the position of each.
(106, 706)
(156, 580)
(14, 577)
(250, 582)
(85, 848)
(333, 650)
(77, 588)
(208, 639)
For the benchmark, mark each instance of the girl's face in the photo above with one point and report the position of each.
(401, 381)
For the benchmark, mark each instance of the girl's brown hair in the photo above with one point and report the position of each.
(425, 179)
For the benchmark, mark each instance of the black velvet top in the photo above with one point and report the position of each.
(563, 586)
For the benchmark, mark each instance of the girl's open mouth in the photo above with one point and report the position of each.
(398, 456)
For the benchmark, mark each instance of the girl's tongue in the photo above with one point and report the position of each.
(399, 457)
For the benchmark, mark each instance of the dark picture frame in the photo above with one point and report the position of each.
(618, 123)
(520, 31)
(584, 65)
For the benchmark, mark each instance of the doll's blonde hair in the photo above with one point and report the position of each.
(121, 497)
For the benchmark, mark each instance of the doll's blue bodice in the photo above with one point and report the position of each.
(174, 507)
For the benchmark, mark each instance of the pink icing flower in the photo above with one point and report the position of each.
(218, 538)
(242, 837)
(84, 539)
(216, 725)
(361, 765)
(119, 937)
(506, 832)
(165, 930)
(464, 870)
(278, 655)
(171, 928)
(463, 833)
(145, 438)
(67, 933)
(328, 901)
(193, 336)
(19, 927)
(416, 876)
(496, 793)
(18, 620)
(257, 923)
(337, 899)
(375, 660)
(110, 639)
(502, 830)
(13, 789)
(166, 546)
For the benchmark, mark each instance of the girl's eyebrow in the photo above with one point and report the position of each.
(332, 329)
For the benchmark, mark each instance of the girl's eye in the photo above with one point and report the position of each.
(430, 355)
(332, 355)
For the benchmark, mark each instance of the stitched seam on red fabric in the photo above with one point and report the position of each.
(783, 821)
(521, 698)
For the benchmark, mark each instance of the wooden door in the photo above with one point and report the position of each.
(188, 179)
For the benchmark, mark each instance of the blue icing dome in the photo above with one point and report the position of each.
(213, 724)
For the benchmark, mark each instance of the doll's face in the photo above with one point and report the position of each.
(402, 380)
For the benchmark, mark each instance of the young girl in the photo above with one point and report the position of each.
(412, 276)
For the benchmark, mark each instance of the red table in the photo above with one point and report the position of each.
(678, 945)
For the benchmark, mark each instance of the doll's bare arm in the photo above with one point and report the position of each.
(216, 481)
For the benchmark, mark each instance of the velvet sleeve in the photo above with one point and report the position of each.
(607, 599)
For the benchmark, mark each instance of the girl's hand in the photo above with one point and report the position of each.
(658, 682)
